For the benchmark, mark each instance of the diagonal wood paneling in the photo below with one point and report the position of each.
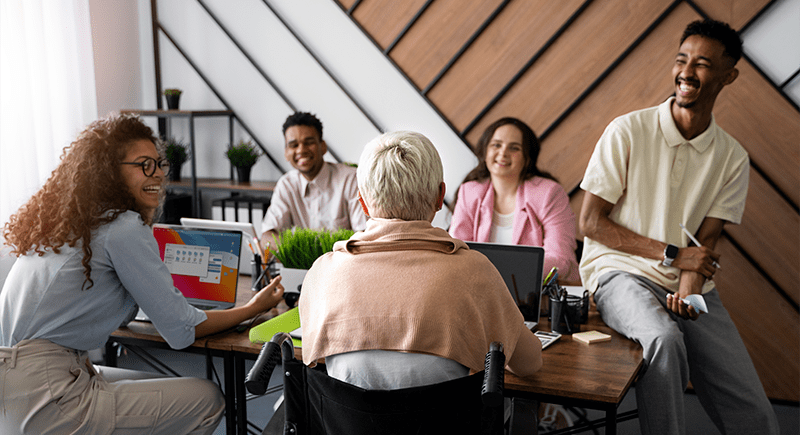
(497, 55)
(769, 233)
(570, 65)
(745, 109)
(759, 282)
(385, 19)
(766, 322)
(641, 80)
(437, 37)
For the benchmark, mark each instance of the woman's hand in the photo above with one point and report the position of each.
(269, 296)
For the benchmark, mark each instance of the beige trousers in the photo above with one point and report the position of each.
(49, 389)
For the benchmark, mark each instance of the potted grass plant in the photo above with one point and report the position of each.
(243, 156)
(298, 248)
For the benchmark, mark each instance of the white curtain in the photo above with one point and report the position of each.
(47, 91)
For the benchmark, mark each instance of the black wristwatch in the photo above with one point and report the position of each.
(670, 252)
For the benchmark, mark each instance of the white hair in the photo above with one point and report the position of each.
(399, 176)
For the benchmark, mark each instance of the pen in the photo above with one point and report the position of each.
(696, 242)
(550, 275)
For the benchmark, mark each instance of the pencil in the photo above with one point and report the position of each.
(696, 242)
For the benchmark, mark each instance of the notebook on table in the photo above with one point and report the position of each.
(203, 262)
(521, 268)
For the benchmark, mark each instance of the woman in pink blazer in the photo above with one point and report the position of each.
(507, 199)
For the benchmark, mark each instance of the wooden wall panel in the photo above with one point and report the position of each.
(770, 234)
(766, 322)
(502, 50)
(385, 19)
(438, 35)
(576, 59)
(640, 81)
(737, 13)
(346, 4)
(766, 125)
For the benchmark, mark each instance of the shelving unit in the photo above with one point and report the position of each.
(190, 115)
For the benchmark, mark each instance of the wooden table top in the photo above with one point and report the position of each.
(600, 373)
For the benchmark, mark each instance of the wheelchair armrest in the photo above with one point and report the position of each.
(494, 377)
(257, 379)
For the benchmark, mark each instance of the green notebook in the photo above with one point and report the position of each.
(286, 322)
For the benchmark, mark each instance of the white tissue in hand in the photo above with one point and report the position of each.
(697, 302)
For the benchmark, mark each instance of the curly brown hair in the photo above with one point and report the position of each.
(84, 192)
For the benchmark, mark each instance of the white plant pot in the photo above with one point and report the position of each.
(291, 278)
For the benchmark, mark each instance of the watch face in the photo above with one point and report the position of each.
(671, 251)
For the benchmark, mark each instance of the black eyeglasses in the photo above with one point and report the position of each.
(149, 165)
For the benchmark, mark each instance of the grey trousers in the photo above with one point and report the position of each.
(708, 351)
(49, 389)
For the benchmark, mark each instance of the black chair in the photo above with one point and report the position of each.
(315, 403)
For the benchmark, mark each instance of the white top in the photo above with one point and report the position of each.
(43, 296)
(657, 180)
(389, 370)
(502, 228)
(329, 201)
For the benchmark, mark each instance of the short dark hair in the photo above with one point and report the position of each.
(303, 118)
(718, 31)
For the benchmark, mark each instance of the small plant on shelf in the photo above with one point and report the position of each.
(176, 151)
(173, 96)
(244, 154)
(298, 248)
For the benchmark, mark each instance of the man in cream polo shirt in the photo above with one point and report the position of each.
(651, 171)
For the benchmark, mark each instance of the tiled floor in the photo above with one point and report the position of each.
(260, 409)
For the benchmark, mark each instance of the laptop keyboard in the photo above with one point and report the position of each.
(203, 307)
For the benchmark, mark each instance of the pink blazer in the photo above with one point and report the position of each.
(542, 217)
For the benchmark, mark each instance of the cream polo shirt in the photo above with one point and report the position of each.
(656, 180)
(329, 201)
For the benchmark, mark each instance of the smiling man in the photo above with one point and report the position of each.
(316, 194)
(652, 171)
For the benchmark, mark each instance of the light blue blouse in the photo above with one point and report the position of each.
(43, 296)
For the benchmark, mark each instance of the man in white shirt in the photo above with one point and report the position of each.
(652, 171)
(316, 194)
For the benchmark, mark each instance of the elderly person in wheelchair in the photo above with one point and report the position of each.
(402, 304)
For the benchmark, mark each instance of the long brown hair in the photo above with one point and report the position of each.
(84, 192)
(530, 149)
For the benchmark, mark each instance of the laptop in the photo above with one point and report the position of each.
(204, 264)
(521, 268)
(250, 241)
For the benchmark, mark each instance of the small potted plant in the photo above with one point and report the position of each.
(173, 98)
(299, 248)
(243, 156)
(176, 152)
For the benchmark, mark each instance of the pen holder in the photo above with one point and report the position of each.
(565, 314)
(259, 274)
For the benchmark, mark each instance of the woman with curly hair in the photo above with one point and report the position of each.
(507, 199)
(86, 257)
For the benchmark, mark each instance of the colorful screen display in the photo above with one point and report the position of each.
(204, 263)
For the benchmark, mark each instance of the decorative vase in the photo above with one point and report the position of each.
(243, 173)
(172, 101)
(175, 171)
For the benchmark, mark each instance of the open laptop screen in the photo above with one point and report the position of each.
(204, 263)
(521, 268)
